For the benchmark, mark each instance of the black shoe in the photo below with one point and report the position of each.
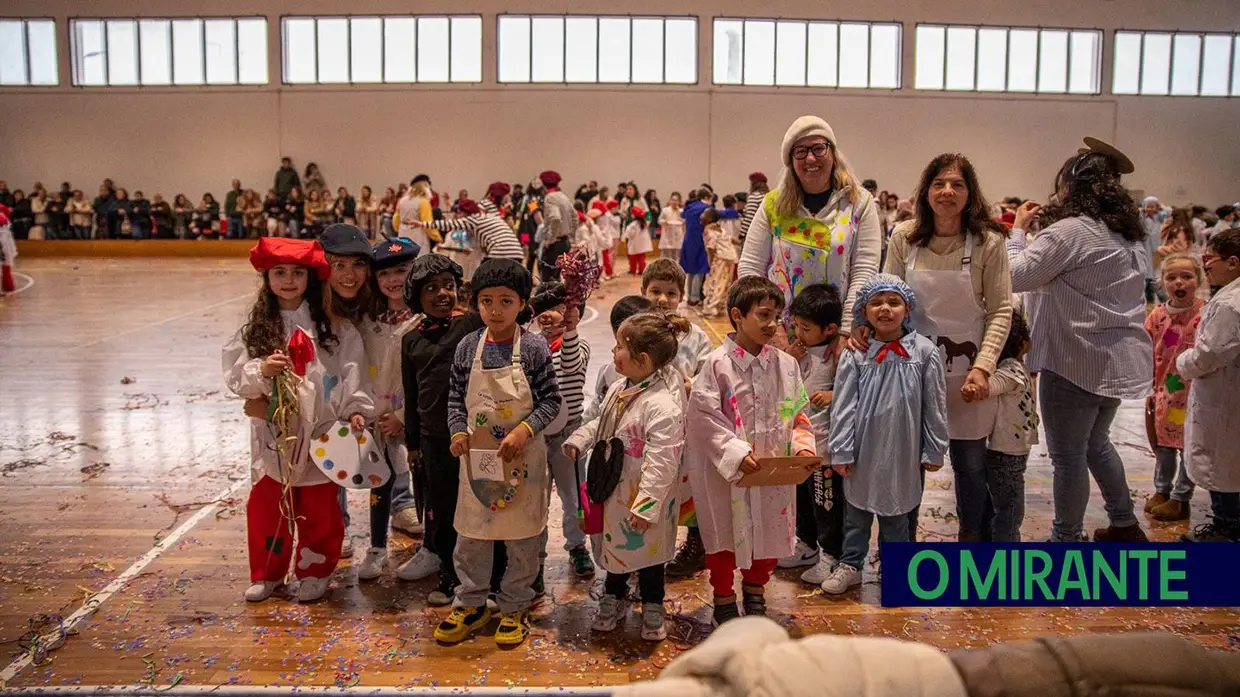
(725, 609)
(1210, 532)
(539, 586)
(690, 558)
(582, 565)
(754, 600)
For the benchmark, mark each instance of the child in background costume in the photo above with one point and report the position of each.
(288, 489)
(8, 250)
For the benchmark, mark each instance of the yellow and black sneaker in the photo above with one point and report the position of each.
(462, 622)
(513, 628)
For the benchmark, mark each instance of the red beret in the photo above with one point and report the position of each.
(757, 177)
(637, 212)
(5, 212)
(498, 190)
(468, 206)
(599, 205)
(550, 178)
(581, 217)
(613, 205)
(274, 251)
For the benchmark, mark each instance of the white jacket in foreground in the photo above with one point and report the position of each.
(331, 391)
(1211, 443)
(754, 657)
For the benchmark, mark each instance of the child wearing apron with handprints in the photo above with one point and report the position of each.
(502, 394)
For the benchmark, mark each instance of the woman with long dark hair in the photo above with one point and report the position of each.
(1090, 347)
(952, 253)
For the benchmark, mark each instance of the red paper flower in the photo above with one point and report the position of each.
(300, 351)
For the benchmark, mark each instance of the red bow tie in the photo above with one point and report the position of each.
(895, 347)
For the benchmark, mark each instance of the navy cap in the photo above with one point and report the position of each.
(394, 251)
(345, 240)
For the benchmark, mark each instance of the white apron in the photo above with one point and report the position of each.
(501, 500)
(947, 313)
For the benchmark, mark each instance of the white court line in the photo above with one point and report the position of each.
(29, 284)
(591, 315)
(174, 318)
(92, 604)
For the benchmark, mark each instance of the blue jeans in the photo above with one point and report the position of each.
(1078, 439)
(1168, 468)
(402, 491)
(696, 281)
(1225, 508)
(236, 228)
(562, 473)
(1005, 480)
(973, 503)
(857, 526)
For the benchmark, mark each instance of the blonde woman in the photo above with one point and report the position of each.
(368, 212)
(414, 208)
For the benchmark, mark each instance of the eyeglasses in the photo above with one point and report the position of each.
(820, 151)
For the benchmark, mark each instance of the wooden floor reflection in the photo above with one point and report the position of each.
(115, 428)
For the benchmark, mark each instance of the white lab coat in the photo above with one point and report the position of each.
(1211, 444)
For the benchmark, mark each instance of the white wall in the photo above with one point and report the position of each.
(196, 139)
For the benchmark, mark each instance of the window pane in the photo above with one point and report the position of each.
(581, 49)
(365, 49)
(12, 52)
(221, 38)
(680, 59)
(854, 62)
(613, 53)
(1085, 67)
(1022, 60)
(1215, 65)
(729, 50)
(824, 54)
(548, 41)
(88, 53)
(1126, 77)
(122, 52)
(1186, 62)
(759, 52)
(790, 53)
(1156, 66)
(648, 50)
(991, 60)
(252, 51)
(514, 49)
(187, 66)
(400, 45)
(299, 51)
(333, 50)
(961, 58)
(433, 49)
(930, 53)
(41, 47)
(1053, 62)
(155, 37)
(466, 58)
(1235, 68)
(885, 56)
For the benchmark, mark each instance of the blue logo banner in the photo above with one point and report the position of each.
(1056, 575)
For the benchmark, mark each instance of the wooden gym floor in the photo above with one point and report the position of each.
(123, 472)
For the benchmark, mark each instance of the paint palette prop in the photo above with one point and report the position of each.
(780, 471)
(493, 481)
(352, 460)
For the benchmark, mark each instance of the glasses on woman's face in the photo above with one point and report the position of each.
(820, 151)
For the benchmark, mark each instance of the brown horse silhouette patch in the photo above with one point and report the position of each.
(952, 350)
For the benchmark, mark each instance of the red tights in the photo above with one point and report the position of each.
(722, 567)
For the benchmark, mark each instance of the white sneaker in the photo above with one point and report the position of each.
(260, 591)
(312, 589)
(407, 522)
(840, 580)
(803, 555)
(608, 616)
(346, 548)
(819, 572)
(654, 625)
(421, 565)
(372, 566)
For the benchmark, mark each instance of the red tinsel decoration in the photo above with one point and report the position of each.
(300, 351)
(581, 276)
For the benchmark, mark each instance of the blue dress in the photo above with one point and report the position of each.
(693, 257)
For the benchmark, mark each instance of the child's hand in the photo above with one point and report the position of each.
(842, 470)
(358, 422)
(257, 408)
(688, 386)
(572, 451)
(513, 443)
(797, 350)
(749, 465)
(822, 398)
(571, 318)
(274, 364)
(638, 524)
(460, 445)
(805, 453)
(980, 383)
(389, 425)
(931, 467)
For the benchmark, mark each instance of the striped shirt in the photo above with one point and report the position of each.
(1085, 290)
(488, 207)
(752, 204)
(535, 361)
(492, 236)
(570, 362)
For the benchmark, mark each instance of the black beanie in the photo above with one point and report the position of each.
(425, 267)
(502, 273)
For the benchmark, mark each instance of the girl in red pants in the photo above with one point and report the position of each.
(637, 241)
(289, 329)
(8, 252)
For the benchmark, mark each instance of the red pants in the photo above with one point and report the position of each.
(637, 264)
(606, 262)
(6, 279)
(722, 568)
(320, 531)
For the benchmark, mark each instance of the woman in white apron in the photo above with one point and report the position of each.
(953, 256)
